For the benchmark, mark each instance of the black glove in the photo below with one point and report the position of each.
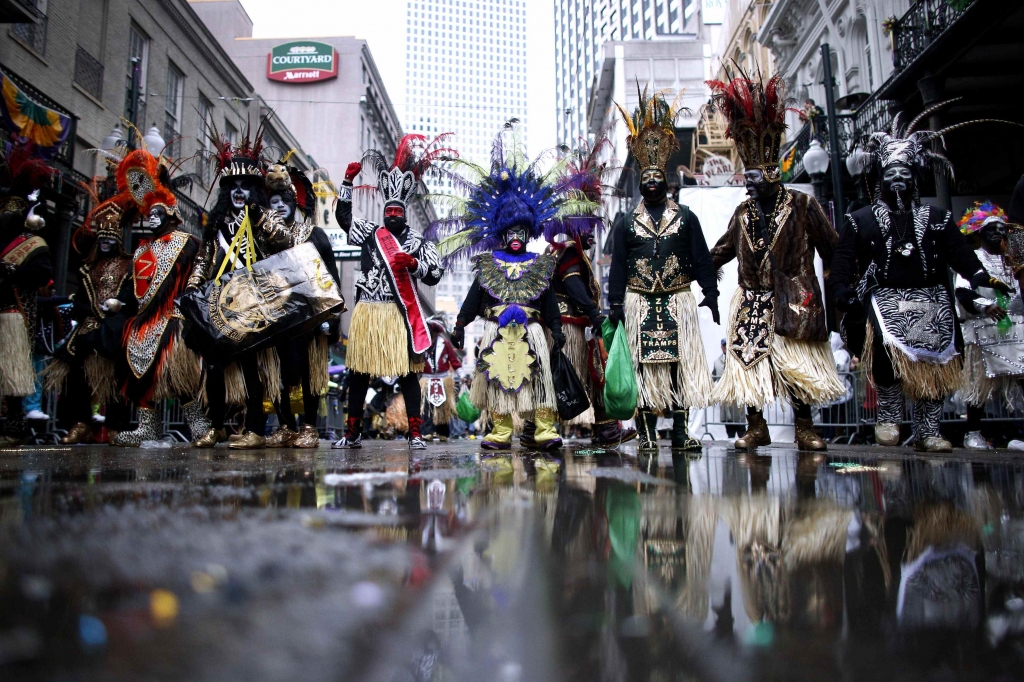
(595, 325)
(557, 341)
(458, 336)
(617, 314)
(982, 279)
(711, 303)
(847, 300)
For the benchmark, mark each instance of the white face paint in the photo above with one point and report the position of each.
(277, 203)
(156, 218)
(239, 194)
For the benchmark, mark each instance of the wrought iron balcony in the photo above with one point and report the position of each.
(191, 214)
(817, 129)
(32, 34)
(923, 23)
(89, 73)
(66, 153)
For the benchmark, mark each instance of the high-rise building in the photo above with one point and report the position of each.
(465, 72)
(583, 26)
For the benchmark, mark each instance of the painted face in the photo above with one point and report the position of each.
(897, 185)
(653, 187)
(993, 237)
(157, 218)
(240, 193)
(107, 245)
(394, 217)
(284, 208)
(515, 238)
(756, 183)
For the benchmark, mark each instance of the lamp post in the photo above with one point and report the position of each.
(154, 141)
(856, 163)
(833, 130)
(816, 163)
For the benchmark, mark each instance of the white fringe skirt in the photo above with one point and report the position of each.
(538, 393)
(805, 370)
(666, 385)
(17, 376)
(977, 387)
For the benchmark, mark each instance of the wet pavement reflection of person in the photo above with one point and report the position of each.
(453, 565)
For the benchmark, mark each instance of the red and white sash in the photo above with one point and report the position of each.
(405, 288)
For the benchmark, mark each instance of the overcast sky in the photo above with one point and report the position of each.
(382, 24)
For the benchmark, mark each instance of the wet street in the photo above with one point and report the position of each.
(864, 564)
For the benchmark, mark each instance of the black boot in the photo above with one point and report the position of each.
(648, 429)
(526, 439)
(681, 439)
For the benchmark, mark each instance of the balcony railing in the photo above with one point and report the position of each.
(89, 73)
(817, 129)
(925, 21)
(34, 34)
(66, 153)
(191, 215)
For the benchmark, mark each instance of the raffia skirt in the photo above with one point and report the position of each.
(919, 380)
(805, 370)
(378, 342)
(441, 414)
(536, 394)
(17, 376)
(100, 373)
(670, 385)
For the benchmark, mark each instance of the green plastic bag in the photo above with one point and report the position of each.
(619, 378)
(466, 409)
(607, 334)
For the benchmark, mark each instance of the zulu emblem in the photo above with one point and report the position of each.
(919, 331)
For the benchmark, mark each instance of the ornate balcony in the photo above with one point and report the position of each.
(89, 73)
(923, 23)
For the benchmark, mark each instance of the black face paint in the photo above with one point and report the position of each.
(515, 239)
(898, 186)
(653, 187)
(993, 238)
(394, 223)
(106, 245)
(757, 184)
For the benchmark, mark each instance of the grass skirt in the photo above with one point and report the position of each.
(179, 373)
(920, 380)
(670, 385)
(538, 393)
(17, 376)
(805, 370)
(977, 387)
(577, 351)
(442, 414)
(378, 341)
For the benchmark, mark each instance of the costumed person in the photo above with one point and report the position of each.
(657, 254)
(893, 260)
(155, 363)
(25, 266)
(579, 296)
(778, 343)
(993, 333)
(83, 370)
(507, 206)
(241, 229)
(437, 383)
(388, 332)
(304, 359)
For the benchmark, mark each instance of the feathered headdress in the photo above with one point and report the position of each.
(583, 185)
(22, 172)
(980, 215)
(144, 180)
(280, 177)
(756, 115)
(398, 181)
(513, 192)
(652, 135)
(243, 159)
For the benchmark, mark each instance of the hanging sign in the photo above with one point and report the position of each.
(302, 61)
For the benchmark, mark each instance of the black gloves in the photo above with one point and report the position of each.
(458, 336)
(557, 341)
(711, 303)
(595, 325)
(617, 315)
(982, 279)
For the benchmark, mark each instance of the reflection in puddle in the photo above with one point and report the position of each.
(376, 565)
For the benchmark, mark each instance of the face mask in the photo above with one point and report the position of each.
(515, 239)
(653, 187)
(239, 195)
(394, 218)
(282, 206)
(897, 186)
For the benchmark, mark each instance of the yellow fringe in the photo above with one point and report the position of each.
(269, 363)
(378, 341)
(319, 360)
(920, 380)
(537, 394)
(17, 376)
(668, 385)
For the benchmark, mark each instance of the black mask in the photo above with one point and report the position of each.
(898, 187)
(394, 224)
(515, 239)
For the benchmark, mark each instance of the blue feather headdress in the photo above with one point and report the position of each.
(512, 192)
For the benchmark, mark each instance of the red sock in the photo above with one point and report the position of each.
(414, 427)
(353, 427)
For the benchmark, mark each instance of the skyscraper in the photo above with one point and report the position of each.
(583, 26)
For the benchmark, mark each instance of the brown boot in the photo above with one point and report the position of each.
(756, 435)
(282, 438)
(77, 434)
(806, 437)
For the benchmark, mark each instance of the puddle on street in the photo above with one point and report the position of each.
(452, 565)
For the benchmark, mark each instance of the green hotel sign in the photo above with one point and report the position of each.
(302, 61)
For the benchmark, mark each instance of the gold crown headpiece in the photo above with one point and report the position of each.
(652, 135)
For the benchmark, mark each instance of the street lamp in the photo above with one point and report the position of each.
(154, 142)
(856, 163)
(816, 164)
(113, 140)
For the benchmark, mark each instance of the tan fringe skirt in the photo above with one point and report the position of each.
(378, 341)
(976, 387)
(538, 393)
(805, 370)
(443, 413)
(180, 372)
(920, 380)
(17, 376)
(666, 385)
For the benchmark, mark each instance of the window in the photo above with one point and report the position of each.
(138, 62)
(33, 35)
(172, 110)
(203, 165)
(230, 133)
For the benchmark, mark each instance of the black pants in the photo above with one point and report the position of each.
(310, 405)
(359, 383)
(75, 404)
(216, 395)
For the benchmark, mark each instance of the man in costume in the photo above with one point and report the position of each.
(438, 380)
(993, 334)
(579, 296)
(155, 363)
(656, 255)
(25, 266)
(304, 359)
(241, 229)
(83, 369)
(388, 332)
(778, 343)
(894, 259)
(507, 206)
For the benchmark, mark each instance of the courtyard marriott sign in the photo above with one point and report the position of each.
(302, 61)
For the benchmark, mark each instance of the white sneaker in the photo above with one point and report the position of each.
(975, 441)
(36, 415)
(99, 418)
(1015, 445)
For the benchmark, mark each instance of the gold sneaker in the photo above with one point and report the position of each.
(282, 438)
(248, 441)
(307, 437)
(79, 433)
(211, 438)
